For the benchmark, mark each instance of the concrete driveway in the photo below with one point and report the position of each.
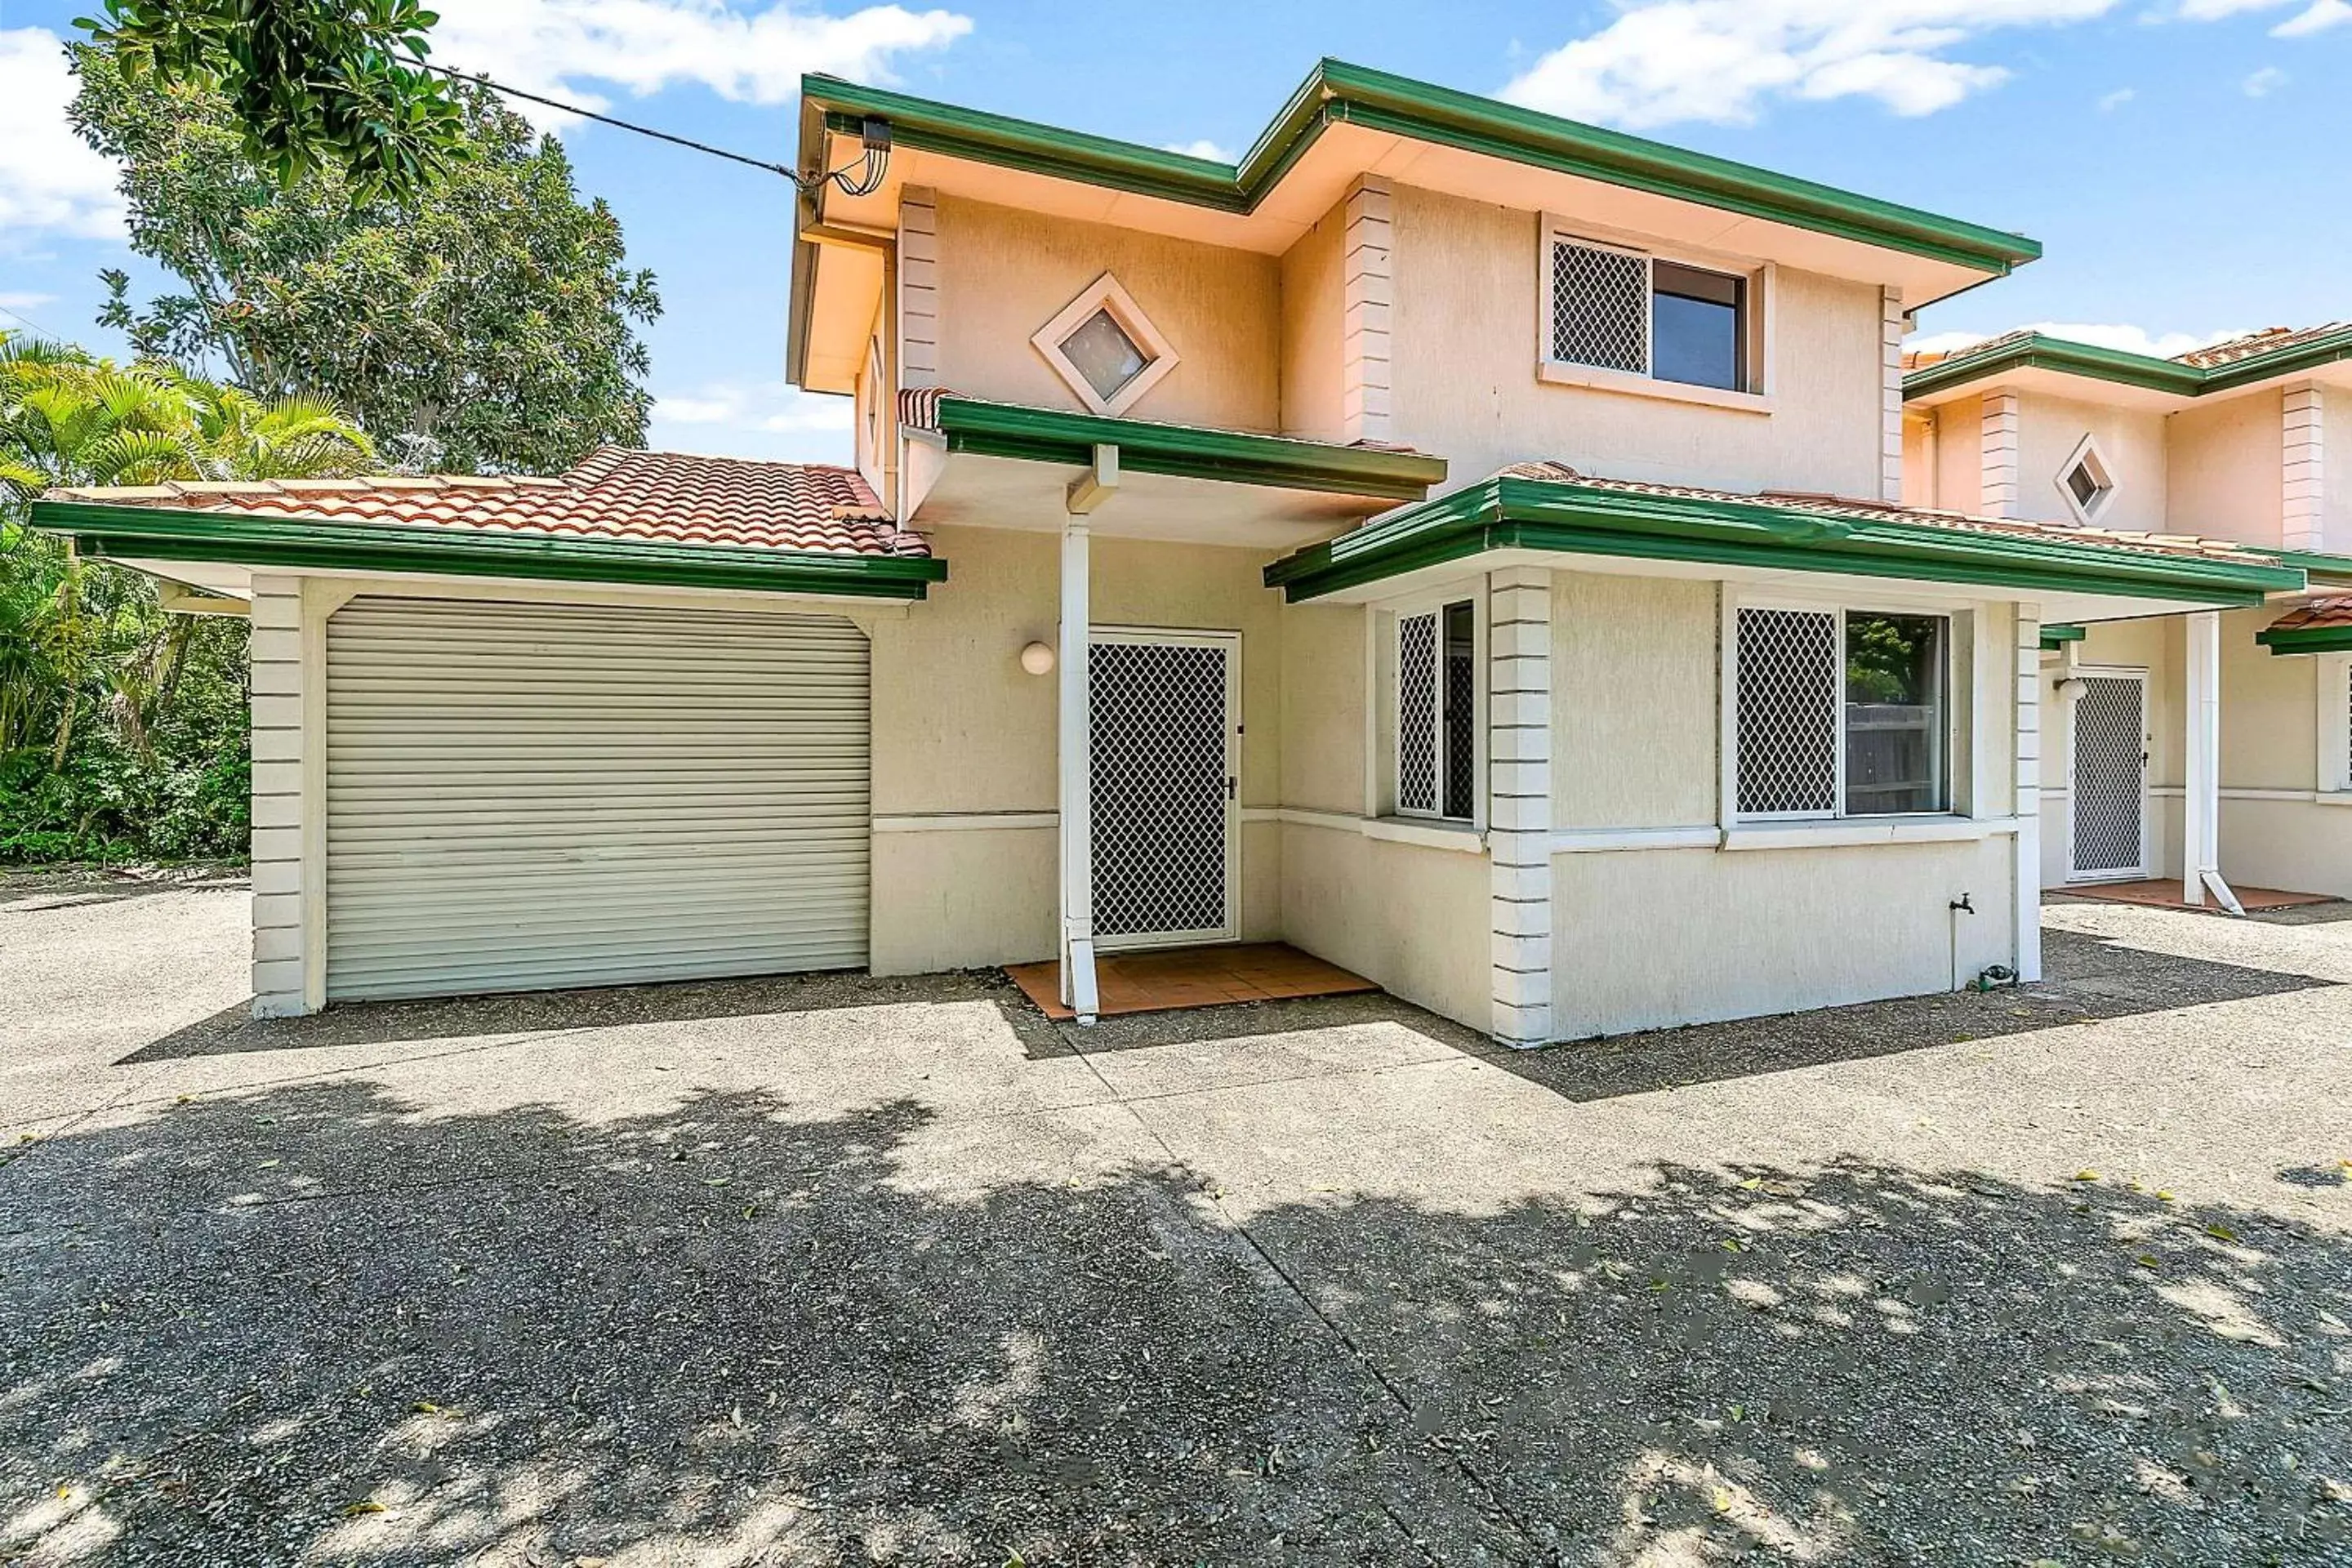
(846, 1271)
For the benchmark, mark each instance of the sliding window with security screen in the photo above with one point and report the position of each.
(1841, 713)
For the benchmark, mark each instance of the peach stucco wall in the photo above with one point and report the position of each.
(2224, 468)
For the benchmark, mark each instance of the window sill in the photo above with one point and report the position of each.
(1426, 831)
(1553, 373)
(1844, 830)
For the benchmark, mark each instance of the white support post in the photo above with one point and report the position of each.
(2027, 806)
(1077, 943)
(1518, 812)
(2200, 856)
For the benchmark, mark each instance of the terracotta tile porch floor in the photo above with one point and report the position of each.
(1192, 977)
(2164, 893)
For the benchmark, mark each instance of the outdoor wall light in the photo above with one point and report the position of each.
(2070, 689)
(1037, 659)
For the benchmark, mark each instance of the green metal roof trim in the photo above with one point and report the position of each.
(316, 546)
(2055, 637)
(2306, 639)
(1531, 514)
(1054, 436)
(1335, 92)
(2325, 571)
(2033, 350)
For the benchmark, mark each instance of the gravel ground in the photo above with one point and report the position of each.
(844, 1271)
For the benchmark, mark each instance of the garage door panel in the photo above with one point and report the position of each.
(523, 796)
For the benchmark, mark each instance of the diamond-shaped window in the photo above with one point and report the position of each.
(2086, 482)
(1106, 348)
(1104, 354)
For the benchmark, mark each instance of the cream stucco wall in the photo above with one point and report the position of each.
(1650, 938)
(961, 730)
(1466, 343)
(1004, 273)
(1313, 311)
(2130, 441)
(2335, 497)
(2223, 468)
(1633, 701)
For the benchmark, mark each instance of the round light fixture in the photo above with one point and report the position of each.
(1037, 659)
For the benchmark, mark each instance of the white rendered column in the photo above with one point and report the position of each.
(1076, 754)
(1518, 812)
(2028, 803)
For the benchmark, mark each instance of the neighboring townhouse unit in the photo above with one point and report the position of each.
(1465, 544)
(2143, 776)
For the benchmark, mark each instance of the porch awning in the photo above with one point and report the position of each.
(1549, 508)
(2324, 625)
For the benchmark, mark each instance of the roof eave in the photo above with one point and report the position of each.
(2306, 639)
(1185, 451)
(319, 544)
(1514, 513)
(2121, 367)
(1335, 89)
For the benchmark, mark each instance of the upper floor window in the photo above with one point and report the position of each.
(1841, 713)
(1614, 309)
(2086, 482)
(1106, 348)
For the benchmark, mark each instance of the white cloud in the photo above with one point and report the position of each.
(2263, 82)
(558, 46)
(776, 407)
(50, 179)
(1665, 61)
(2117, 99)
(25, 302)
(1204, 148)
(2315, 15)
(2321, 15)
(2105, 335)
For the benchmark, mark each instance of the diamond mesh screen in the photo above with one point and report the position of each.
(1788, 713)
(1416, 679)
(1599, 308)
(1158, 713)
(2109, 769)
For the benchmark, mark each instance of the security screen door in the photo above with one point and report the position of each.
(1164, 712)
(2110, 836)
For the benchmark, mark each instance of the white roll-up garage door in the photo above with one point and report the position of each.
(521, 797)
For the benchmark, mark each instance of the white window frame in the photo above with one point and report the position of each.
(1959, 627)
(1762, 285)
(1105, 293)
(2334, 675)
(1385, 738)
(2086, 454)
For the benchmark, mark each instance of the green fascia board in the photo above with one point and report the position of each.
(2055, 637)
(1335, 91)
(1055, 436)
(2325, 571)
(116, 531)
(2306, 639)
(2036, 352)
(1528, 514)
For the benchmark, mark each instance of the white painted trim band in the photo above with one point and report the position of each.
(966, 822)
(1840, 831)
(1601, 840)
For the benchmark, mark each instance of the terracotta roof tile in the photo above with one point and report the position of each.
(1861, 511)
(2336, 612)
(2231, 351)
(667, 498)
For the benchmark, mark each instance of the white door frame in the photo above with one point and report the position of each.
(2145, 867)
(1187, 636)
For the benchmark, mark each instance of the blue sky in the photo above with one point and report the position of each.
(2180, 160)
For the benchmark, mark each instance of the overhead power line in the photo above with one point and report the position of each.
(858, 179)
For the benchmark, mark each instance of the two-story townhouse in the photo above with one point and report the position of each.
(2205, 749)
(1465, 544)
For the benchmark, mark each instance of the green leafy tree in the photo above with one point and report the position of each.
(313, 84)
(122, 728)
(488, 323)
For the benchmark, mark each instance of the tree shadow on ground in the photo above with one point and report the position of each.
(316, 1324)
